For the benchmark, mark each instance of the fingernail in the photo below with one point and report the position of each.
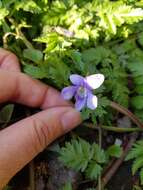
(71, 119)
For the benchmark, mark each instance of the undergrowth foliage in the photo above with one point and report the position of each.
(56, 38)
(136, 155)
(87, 158)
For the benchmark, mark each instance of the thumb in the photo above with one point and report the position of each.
(24, 140)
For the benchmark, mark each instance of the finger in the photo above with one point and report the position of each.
(22, 89)
(8, 61)
(24, 140)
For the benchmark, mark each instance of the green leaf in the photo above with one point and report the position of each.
(115, 151)
(138, 163)
(99, 154)
(6, 113)
(67, 186)
(76, 154)
(136, 67)
(3, 13)
(34, 55)
(137, 102)
(35, 71)
(85, 113)
(136, 151)
(95, 55)
(77, 59)
(141, 176)
(93, 170)
(139, 89)
(138, 80)
(115, 14)
(29, 6)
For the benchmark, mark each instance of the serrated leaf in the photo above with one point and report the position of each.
(138, 163)
(115, 151)
(138, 80)
(77, 59)
(29, 6)
(93, 170)
(115, 14)
(99, 154)
(76, 154)
(136, 151)
(85, 113)
(139, 89)
(137, 102)
(95, 55)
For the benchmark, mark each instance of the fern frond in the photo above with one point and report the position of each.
(136, 151)
(76, 154)
(115, 14)
(93, 170)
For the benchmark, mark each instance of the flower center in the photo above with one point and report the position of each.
(82, 92)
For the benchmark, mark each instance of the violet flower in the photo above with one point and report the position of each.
(82, 90)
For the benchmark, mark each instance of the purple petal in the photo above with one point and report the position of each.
(94, 81)
(91, 101)
(80, 103)
(77, 79)
(68, 92)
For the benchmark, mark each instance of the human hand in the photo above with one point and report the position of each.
(22, 141)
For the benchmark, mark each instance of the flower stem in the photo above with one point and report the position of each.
(113, 129)
(5, 37)
(126, 112)
(100, 145)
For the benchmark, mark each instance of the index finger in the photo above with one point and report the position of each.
(8, 61)
(20, 88)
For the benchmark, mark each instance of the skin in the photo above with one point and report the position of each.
(22, 141)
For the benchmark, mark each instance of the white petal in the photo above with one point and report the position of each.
(118, 142)
(94, 81)
(92, 101)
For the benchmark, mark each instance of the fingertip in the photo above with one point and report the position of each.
(71, 119)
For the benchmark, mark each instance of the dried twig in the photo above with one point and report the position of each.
(115, 165)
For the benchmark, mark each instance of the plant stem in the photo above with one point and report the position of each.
(19, 34)
(126, 112)
(113, 129)
(5, 38)
(32, 175)
(100, 145)
(26, 42)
